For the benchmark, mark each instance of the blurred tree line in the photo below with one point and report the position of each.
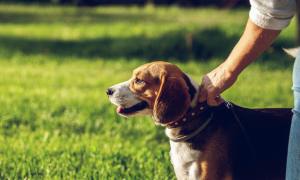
(186, 3)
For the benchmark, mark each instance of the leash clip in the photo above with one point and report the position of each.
(228, 105)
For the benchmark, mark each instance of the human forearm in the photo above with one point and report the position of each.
(267, 19)
(253, 42)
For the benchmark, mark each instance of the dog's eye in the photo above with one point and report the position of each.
(139, 81)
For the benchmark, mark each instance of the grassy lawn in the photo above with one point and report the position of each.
(56, 63)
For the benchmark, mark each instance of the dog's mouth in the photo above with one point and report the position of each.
(137, 107)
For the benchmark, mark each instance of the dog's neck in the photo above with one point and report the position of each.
(195, 120)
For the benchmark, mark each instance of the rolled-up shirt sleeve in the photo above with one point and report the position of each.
(272, 14)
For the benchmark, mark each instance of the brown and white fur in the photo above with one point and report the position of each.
(163, 91)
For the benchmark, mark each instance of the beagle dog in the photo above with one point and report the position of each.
(208, 143)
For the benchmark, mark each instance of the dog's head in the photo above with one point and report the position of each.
(159, 89)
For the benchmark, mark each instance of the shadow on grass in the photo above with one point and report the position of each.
(204, 44)
(82, 15)
(180, 45)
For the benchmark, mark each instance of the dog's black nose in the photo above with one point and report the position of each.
(110, 91)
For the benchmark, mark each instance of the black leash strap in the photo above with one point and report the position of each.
(242, 128)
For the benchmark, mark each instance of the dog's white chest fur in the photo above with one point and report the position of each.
(184, 160)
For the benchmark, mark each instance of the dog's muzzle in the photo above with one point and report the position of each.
(127, 102)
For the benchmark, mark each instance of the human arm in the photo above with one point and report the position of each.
(252, 43)
(266, 19)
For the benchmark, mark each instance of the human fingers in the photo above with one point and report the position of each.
(213, 97)
(219, 100)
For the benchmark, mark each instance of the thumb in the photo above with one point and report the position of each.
(202, 96)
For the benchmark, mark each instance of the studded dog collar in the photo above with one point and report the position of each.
(192, 113)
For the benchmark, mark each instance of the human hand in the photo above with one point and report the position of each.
(214, 83)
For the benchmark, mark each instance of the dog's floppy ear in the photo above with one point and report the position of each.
(172, 101)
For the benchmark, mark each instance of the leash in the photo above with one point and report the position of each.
(242, 128)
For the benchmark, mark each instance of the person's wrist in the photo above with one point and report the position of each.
(230, 75)
(231, 71)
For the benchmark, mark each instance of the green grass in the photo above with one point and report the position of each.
(56, 62)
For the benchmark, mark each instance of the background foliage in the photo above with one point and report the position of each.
(187, 3)
(56, 63)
